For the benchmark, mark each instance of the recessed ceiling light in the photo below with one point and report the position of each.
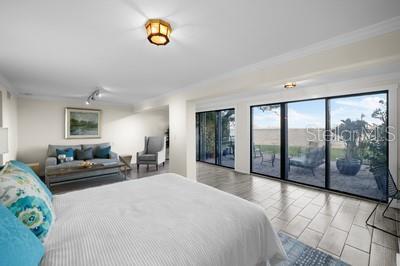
(289, 85)
(158, 31)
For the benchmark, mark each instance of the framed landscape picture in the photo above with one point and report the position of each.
(82, 123)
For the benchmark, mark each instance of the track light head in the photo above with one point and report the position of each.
(93, 97)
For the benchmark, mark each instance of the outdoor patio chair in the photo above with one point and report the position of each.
(311, 160)
(256, 149)
(389, 191)
(268, 158)
(265, 156)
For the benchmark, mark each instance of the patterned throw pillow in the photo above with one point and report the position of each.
(26, 199)
(29, 170)
(68, 153)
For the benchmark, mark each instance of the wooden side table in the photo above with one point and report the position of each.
(126, 159)
(35, 167)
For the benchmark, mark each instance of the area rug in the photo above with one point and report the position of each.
(301, 254)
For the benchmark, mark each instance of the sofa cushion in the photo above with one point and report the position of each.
(75, 163)
(85, 154)
(26, 199)
(102, 152)
(29, 170)
(52, 149)
(101, 161)
(147, 157)
(18, 246)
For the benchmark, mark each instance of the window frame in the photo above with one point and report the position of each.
(284, 139)
(216, 142)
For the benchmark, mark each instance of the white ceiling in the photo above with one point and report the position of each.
(67, 48)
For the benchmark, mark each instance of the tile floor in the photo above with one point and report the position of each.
(330, 222)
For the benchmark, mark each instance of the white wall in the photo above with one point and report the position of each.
(182, 139)
(242, 139)
(9, 119)
(41, 122)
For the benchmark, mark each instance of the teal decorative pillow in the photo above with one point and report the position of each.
(18, 246)
(25, 197)
(102, 152)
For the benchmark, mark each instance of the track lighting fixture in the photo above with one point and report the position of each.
(94, 96)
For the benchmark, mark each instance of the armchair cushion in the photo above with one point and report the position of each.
(147, 157)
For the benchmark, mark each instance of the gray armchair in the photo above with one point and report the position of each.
(153, 153)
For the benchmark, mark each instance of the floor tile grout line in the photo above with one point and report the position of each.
(346, 201)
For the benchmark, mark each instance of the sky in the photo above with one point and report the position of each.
(311, 114)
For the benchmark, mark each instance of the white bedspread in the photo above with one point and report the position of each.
(159, 220)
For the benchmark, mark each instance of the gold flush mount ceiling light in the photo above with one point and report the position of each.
(289, 85)
(158, 31)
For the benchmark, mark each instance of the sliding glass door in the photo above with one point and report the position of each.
(207, 134)
(338, 143)
(226, 138)
(306, 142)
(216, 137)
(266, 140)
(359, 145)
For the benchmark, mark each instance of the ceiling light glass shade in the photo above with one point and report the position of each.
(158, 31)
(289, 85)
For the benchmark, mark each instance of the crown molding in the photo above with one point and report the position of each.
(383, 81)
(383, 27)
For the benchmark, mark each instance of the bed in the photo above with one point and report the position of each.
(160, 220)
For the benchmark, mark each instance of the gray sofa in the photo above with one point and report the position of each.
(51, 162)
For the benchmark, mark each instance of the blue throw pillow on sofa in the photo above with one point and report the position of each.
(86, 154)
(102, 152)
(18, 245)
(29, 170)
